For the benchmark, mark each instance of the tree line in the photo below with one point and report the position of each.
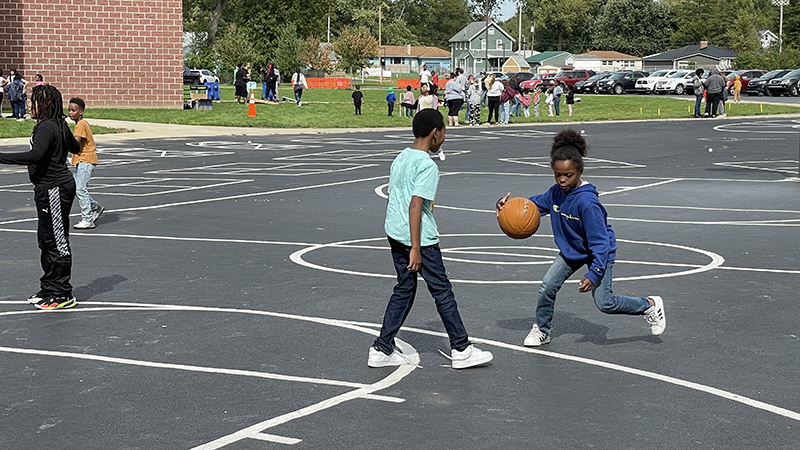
(289, 33)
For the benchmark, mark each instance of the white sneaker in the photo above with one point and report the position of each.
(655, 316)
(97, 213)
(536, 337)
(471, 356)
(83, 225)
(379, 359)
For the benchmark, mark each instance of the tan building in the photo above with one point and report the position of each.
(611, 61)
(410, 58)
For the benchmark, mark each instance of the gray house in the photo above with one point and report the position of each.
(477, 48)
(698, 56)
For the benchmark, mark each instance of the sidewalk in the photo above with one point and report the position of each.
(148, 130)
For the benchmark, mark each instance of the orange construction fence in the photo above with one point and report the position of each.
(328, 83)
(414, 83)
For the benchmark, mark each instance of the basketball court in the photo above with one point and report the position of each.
(230, 293)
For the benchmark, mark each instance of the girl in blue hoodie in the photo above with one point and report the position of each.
(584, 237)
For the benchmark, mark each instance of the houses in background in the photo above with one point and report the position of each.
(411, 58)
(698, 56)
(483, 47)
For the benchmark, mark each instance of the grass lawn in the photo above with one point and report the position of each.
(10, 128)
(332, 108)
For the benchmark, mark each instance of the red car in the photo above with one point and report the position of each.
(533, 82)
(573, 76)
(745, 76)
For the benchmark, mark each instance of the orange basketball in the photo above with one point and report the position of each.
(519, 218)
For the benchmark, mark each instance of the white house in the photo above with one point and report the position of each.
(767, 38)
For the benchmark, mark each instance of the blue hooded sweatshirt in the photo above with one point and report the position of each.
(580, 227)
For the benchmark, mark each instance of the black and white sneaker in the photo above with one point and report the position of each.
(37, 297)
(536, 337)
(655, 316)
(97, 213)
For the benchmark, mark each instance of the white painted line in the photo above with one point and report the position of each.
(275, 438)
(701, 208)
(185, 367)
(619, 368)
(219, 199)
(716, 261)
(633, 188)
(751, 269)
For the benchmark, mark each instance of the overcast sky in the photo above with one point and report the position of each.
(507, 9)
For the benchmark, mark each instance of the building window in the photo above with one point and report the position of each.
(491, 31)
(608, 63)
(479, 60)
(483, 44)
(499, 44)
(397, 60)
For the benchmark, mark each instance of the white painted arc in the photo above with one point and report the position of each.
(297, 257)
(643, 373)
(370, 328)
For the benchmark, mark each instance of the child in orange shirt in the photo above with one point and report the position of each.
(84, 163)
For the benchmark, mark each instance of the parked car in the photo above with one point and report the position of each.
(574, 76)
(759, 85)
(521, 76)
(675, 83)
(647, 84)
(621, 82)
(786, 85)
(589, 86)
(206, 76)
(189, 77)
(744, 76)
(550, 79)
(532, 82)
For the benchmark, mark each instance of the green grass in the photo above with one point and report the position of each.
(10, 128)
(331, 108)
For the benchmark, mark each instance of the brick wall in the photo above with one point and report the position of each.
(112, 53)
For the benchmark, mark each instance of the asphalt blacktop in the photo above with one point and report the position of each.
(229, 295)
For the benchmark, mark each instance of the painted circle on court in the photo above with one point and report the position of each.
(690, 268)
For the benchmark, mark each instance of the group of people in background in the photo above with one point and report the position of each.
(15, 88)
(714, 90)
(270, 82)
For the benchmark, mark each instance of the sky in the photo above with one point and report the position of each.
(507, 9)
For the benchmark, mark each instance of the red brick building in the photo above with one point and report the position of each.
(112, 53)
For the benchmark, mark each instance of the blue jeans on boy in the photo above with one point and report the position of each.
(604, 298)
(18, 109)
(402, 299)
(697, 101)
(557, 104)
(408, 112)
(264, 90)
(83, 172)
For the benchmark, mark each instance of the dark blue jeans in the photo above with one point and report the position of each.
(402, 298)
(698, 99)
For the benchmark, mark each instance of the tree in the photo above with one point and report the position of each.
(635, 27)
(315, 54)
(287, 51)
(563, 16)
(355, 46)
(234, 47)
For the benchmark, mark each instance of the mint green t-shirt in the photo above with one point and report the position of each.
(412, 173)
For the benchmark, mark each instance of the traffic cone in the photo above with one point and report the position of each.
(251, 111)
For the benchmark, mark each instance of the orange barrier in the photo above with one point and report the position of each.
(328, 83)
(414, 83)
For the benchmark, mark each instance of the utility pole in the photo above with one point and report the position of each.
(519, 41)
(533, 35)
(780, 3)
(486, 59)
(329, 28)
(380, 42)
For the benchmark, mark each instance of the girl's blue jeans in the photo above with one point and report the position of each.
(604, 297)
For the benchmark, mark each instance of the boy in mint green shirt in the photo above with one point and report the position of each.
(414, 240)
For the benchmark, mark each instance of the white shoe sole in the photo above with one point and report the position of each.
(467, 363)
(536, 342)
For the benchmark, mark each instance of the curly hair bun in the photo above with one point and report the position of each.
(568, 138)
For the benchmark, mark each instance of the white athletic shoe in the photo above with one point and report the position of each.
(655, 316)
(379, 359)
(83, 225)
(536, 337)
(471, 356)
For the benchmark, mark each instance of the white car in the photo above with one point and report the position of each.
(206, 76)
(647, 85)
(675, 83)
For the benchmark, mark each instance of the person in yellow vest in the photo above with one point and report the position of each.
(84, 163)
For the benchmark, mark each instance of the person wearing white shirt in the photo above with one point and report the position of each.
(3, 83)
(298, 84)
(424, 75)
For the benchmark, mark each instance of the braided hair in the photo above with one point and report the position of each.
(47, 103)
